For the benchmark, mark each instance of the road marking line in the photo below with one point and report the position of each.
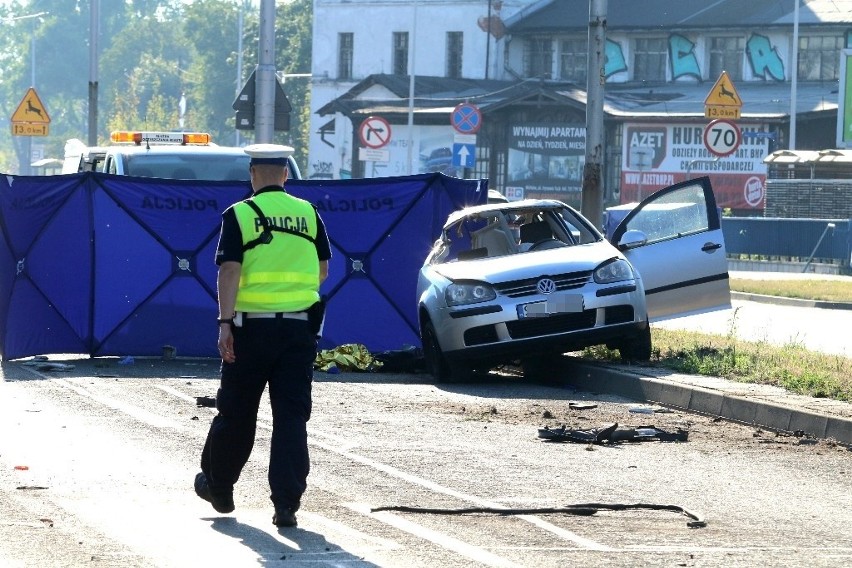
(135, 412)
(346, 530)
(445, 541)
(434, 487)
(176, 393)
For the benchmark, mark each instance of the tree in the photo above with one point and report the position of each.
(150, 53)
(211, 28)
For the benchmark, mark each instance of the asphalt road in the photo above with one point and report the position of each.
(817, 329)
(96, 468)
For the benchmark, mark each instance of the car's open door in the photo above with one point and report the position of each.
(674, 238)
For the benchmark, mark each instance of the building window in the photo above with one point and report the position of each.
(400, 53)
(726, 54)
(538, 57)
(649, 59)
(345, 42)
(573, 60)
(819, 57)
(454, 54)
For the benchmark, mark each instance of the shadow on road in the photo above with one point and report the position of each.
(296, 545)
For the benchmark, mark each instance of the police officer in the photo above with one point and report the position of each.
(273, 254)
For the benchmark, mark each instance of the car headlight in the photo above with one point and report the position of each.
(461, 293)
(613, 271)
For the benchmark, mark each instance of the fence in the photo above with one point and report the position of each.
(824, 241)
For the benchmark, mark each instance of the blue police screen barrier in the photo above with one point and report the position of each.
(109, 265)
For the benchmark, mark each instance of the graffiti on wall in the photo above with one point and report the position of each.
(762, 55)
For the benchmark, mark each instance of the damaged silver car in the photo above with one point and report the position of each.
(526, 281)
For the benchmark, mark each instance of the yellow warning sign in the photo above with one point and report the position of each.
(31, 110)
(724, 93)
(723, 101)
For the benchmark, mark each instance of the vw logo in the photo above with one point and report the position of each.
(546, 286)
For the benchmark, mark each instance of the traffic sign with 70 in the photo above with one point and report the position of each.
(722, 137)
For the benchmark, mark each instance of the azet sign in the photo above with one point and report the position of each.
(658, 155)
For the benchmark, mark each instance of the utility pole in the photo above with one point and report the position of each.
(242, 7)
(265, 81)
(93, 72)
(794, 81)
(592, 193)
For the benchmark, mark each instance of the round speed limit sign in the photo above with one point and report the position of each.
(722, 137)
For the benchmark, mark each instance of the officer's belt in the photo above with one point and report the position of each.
(277, 315)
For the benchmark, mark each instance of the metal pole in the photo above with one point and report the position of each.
(239, 83)
(592, 195)
(28, 170)
(795, 79)
(488, 41)
(829, 227)
(264, 106)
(93, 72)
(411, 71)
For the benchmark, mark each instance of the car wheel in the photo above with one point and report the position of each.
(638, 346)
(442, 371)
(436, 363)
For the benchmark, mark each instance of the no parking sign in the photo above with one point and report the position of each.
(466, 118)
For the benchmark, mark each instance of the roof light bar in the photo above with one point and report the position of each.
(135, 137)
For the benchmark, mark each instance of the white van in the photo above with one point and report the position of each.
(174, 155)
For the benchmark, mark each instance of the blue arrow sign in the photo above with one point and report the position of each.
(464, 155)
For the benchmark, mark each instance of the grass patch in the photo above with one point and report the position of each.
(823, 290)
(789, 366)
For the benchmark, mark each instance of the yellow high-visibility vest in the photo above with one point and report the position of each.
(282, 275)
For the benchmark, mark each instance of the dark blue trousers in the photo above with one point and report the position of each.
(280, 353)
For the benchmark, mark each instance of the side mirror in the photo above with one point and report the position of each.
(632, 239)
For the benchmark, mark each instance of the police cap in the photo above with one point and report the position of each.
(273, 154)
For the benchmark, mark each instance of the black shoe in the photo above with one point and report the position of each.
(222, 503)
(284, 517)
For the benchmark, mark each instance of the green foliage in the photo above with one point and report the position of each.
(150, 53)
(789, 366)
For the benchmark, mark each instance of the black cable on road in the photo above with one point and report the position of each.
(584, 509)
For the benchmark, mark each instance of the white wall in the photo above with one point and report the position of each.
(372, 23)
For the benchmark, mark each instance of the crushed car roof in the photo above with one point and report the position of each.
(476, 210)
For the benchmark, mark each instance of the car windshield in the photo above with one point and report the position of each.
(189, 166)
(500, 232)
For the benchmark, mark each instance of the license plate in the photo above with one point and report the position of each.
(563, 303)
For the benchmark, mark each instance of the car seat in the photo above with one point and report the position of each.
(493, 238)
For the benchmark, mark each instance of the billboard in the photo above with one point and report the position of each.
(546, 161)
(658, 155)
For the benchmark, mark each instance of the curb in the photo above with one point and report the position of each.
(783, 301)
(601, 379)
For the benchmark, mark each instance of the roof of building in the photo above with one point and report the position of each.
(389, 94)
(661, 15)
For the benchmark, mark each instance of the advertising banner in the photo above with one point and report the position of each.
(546, 161)
(658, 155)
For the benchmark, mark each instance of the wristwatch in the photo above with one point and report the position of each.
(225, 320)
